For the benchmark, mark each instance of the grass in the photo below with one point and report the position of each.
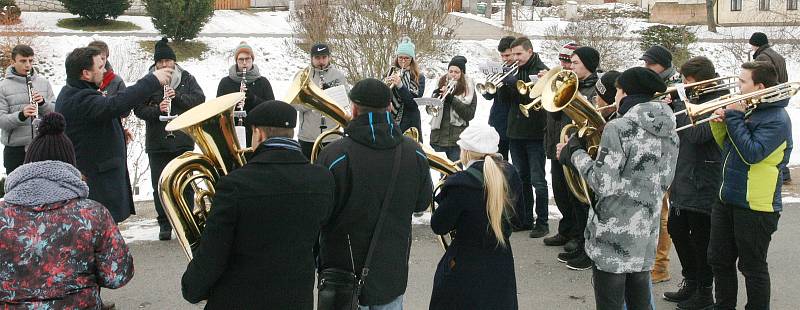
(183, 50)
(78, 23)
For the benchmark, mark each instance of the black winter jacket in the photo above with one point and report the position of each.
(94, 127)
(557, 120)
(519, 126)
(188, 95)
(698, 173)
(258, 91)
(504, 98)
(361, 163)
(256, 250)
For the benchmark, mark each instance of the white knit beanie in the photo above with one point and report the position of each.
(479, 138)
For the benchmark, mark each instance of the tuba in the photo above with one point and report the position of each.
(303, 91)
(211, 125)
(561, 94)
(534, 91)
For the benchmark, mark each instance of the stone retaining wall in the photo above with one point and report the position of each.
(137, 6)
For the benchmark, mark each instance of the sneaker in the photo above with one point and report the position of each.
(539, 231)
(557, 240)
(582, 262)
(567, 256)
(685, 291)
(571, 246)
(702, 299)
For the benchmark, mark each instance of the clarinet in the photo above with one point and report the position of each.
(240, 113)
(169, 116)
(322, 125)
(29, 84)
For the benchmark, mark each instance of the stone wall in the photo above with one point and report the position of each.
(675, 13)
(137, 6)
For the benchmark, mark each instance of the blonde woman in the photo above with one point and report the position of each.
(477, 271)
(458, 108)
(408, 83)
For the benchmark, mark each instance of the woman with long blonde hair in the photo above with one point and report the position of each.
(477, 270)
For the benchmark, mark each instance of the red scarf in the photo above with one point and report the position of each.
(107, 78)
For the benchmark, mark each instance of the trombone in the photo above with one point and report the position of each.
(752, 100)
(495, 81)
(700, 88)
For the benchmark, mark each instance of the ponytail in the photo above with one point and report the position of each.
(496, 197)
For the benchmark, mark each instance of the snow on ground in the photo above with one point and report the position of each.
(140, 230)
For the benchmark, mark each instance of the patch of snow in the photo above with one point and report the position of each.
(142, 230)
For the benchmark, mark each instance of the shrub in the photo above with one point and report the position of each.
(96, 10)
(675, 38)
(179, 20)
(9, 12)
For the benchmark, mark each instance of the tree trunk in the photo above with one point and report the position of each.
(507, 20)
(710, 18)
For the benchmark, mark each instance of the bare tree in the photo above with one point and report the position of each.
(12, 35)
(604, 34)
(508, 21)
(710, 17)
(366, 32)
(138, 163)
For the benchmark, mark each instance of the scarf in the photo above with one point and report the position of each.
(108, 77)
(44, 182)
(397, 102)
(177, 74)
(631, 100)
(252, 74)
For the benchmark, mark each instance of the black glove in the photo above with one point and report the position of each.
(574, 144)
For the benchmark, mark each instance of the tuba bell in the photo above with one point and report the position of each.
(561, 94)
(211, 126)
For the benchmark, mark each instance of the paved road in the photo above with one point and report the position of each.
(543, 283)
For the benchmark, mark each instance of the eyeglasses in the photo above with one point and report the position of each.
(248, 59)
(404, 58)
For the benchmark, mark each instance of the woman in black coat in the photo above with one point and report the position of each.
(477, 270)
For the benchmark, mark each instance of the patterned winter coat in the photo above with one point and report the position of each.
(57, 248)
(634, 167)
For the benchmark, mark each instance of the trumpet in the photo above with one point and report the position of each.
(495, 81)
(393, 72)
(535, 90)
(169, 116)
(752, 100)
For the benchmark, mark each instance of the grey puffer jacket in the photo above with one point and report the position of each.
(13, 98)
(634, 167)
(310, 119)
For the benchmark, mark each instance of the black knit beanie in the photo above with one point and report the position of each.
(606, 86)
(658, 54)
(371, 92)
(163, 51)
(641, 81)
(589, 57)
(758, 39)
(460, 62)
(50, 142)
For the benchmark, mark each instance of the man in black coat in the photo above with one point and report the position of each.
(161, 147)
(257, 88)
(256, 250)
(693, 192)
(505, 95)
(93, 125)
(362, 164)
(526, 136)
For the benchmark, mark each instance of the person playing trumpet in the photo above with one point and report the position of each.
(459, 101)
(755, 145)
(406, 82)
(505, 95)
(179, 95)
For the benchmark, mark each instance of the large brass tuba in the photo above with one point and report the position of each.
(211, 125)
(561, 94)
(305, 92)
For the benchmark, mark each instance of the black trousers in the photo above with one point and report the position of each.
(157, 163)
(13, 157)
(743, 234)
(617, 291)
(690, 232)
(575, 214)
(502, 148)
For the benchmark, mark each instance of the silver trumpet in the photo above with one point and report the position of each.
(169, 117)
(495, 81)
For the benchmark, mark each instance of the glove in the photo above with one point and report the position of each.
(573, 145)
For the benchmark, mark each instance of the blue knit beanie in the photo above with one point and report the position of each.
(405, 47)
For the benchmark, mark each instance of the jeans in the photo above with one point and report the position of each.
(615, 291)
(529, 160)
(13, 157)
(453, 152)
(396, 304)
(744, 234)
(690, 232)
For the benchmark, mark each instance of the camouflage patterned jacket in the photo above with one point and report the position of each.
(634, 167)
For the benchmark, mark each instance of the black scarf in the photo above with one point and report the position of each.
(631, 100)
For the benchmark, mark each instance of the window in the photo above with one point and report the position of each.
(736, 5)
(763, 5)
(791, 5)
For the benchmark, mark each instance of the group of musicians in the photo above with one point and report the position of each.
(280, 220)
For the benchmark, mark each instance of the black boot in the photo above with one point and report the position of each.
(701, 300)
(164, 231)
(686, 289)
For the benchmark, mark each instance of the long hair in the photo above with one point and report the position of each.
(498, 203)
(414, 68)
(461, 85)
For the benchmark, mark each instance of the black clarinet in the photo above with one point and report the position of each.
(29, 84)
